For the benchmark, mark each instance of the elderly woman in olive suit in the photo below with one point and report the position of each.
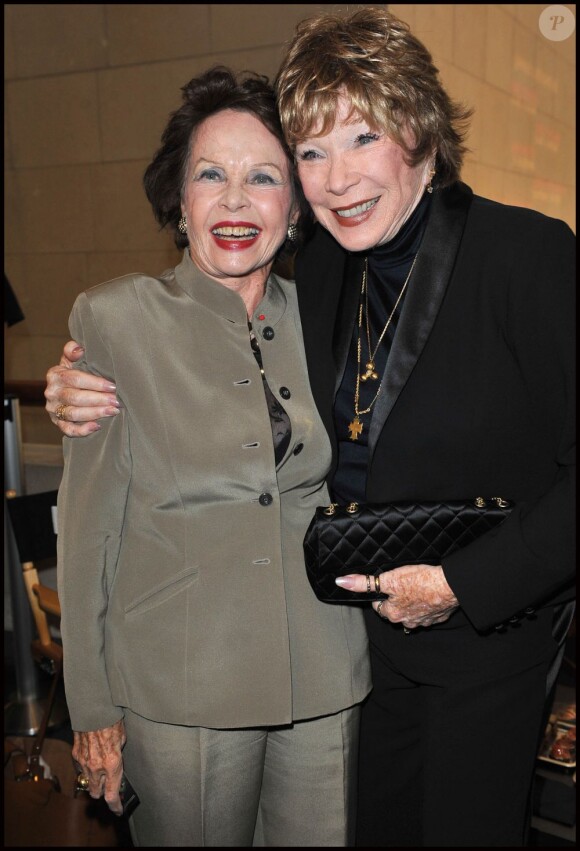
(196, 658)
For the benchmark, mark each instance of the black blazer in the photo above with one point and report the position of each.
(478, 394)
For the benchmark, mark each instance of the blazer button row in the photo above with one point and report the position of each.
(516, 618)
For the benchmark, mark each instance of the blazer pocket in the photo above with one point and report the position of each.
(162, 592)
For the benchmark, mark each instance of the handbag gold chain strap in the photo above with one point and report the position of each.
(353, 507)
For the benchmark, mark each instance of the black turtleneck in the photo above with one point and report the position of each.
(388, 267)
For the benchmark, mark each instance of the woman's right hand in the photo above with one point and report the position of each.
(86, 397)
(97, 755)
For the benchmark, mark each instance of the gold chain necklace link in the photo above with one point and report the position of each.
(371, 372)
(355, 427)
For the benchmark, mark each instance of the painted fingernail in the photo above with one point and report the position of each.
(95, 427)
(345, 582)
(112, 412)
(112, 400)
(78, 349)
(111, 386)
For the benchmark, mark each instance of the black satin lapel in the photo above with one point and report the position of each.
(346, 315)
(435, 262)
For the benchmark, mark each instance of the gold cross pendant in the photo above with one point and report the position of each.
(355, 428)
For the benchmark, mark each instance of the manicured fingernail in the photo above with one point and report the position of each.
(78, 349)
(95, 427)
(112, 400)
(112, 412)
(111, 386)
(345, 582)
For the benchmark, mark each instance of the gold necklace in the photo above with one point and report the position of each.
(356, 427)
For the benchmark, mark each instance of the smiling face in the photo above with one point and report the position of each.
(237, 198)
(358, 183)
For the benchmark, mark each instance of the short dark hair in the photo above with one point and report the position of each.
(213, 91)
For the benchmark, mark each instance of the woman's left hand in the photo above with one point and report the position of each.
(98, 755)
(418, 594)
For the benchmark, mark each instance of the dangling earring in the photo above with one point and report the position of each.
(292, 232)
(182, 225)
(430, 184)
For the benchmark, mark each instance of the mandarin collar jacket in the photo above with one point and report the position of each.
(180, 567)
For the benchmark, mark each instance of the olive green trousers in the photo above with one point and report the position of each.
(282, 786)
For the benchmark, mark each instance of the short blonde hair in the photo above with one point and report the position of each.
(388, 75)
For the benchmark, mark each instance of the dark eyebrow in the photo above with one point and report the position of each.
(254, 165)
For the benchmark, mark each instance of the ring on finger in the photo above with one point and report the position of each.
(82, 783)
(368, 584)
(378, 609)
(378, 584)
(60, 412)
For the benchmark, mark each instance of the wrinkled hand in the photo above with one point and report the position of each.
(98, 756)
(87, 397)
(418, 594)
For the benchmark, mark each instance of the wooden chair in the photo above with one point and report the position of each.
(32, 523)
(34, 815)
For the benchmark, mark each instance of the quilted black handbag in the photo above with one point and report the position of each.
(370, 539)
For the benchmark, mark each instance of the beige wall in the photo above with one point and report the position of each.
(89, 88)
(522, 86)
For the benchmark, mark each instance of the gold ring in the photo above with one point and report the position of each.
(368, 584)
(377, 584)
(82, 782)
(59, 413)
(378, 609)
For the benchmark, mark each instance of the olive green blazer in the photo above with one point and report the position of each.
(180, 565)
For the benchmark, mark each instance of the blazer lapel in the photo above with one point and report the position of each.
(346, 315)
(431, 275)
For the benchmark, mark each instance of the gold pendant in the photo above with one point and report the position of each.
(370, 373)
(355, 428)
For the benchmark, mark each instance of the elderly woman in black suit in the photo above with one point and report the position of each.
(438, 328)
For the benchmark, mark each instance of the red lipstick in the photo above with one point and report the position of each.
(235, 236)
